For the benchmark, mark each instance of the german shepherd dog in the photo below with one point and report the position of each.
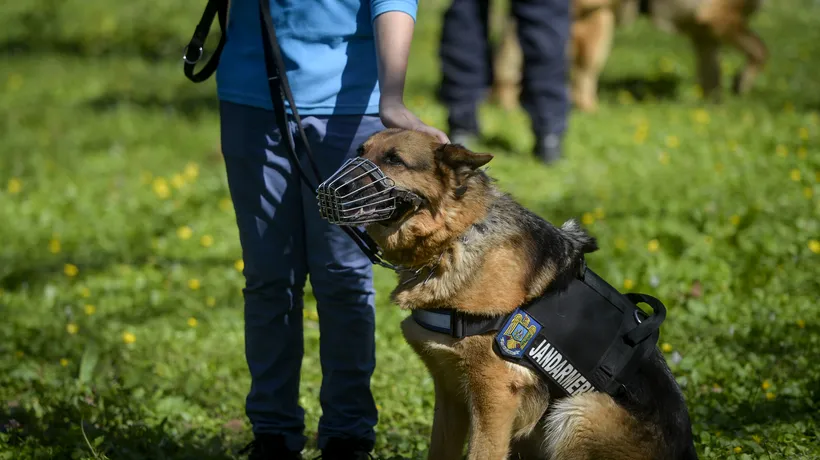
(470, 247)
(708, 24)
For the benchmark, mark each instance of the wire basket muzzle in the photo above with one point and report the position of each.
(357, 193)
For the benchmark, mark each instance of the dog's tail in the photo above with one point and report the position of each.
(581, 240)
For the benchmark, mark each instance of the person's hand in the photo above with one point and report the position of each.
(396, 115)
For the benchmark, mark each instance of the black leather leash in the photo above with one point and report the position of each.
(279, 92)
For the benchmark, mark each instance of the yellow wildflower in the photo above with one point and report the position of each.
(161, 188)
(802, 153)
(85, 292)
(15, 186)
(191, 171)
(795, 175)
(781, 151)
(814, 246)
(210, 301)
(54, 246)
(184, 232)
(770, 396)
(129, 337)
(194, 284)
(808, 192)
(756, 438)
(587, 218)
(71, 328)
(738, 449)
(803, 133)
(765, 385)
(206, 241)
(620, 243)
(653, 245)
(628, 283)
(666, 348)
(63, 362)
(701, 116)
(90, 309)
(735, 220)
(801, 323)
(663, 158)
(192, 322)
(239, 265)
(225, 204)
(177, 181)
(71, 270)
(672, 142)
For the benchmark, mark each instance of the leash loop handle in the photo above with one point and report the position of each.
(213, 8)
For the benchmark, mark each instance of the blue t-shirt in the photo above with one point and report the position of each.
(328, 48)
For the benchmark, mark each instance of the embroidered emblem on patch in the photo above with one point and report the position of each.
(517, 334)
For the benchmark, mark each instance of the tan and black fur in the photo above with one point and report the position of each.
(708, 24)
(475, 249)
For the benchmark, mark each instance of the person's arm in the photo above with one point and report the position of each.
(394, 33)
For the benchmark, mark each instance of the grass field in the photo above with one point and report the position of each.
(119, 258)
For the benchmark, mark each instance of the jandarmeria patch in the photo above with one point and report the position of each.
(555, 366)
(517, 334)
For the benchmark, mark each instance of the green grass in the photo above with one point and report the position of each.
(98, 125)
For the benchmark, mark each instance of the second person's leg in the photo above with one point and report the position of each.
(543, 32)
(465, 65)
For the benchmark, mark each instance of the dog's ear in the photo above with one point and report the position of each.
(458, 157)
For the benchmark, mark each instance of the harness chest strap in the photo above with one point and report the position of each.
(589, 337)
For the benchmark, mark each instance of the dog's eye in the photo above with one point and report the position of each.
(392, 158)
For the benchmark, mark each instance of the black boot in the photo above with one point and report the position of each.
(347, 449)
(269, 447)
(548, 148)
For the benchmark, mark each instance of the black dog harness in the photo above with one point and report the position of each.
(587, 337)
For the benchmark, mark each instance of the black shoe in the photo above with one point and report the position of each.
(463, 138)
(548, 148)
(347, 449)
(269, 447)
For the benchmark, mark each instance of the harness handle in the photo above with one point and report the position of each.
(648, 326)
(279, 91)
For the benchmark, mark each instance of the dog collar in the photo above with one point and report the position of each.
(455, 323)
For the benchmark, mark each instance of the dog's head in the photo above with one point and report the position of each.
(434, 186)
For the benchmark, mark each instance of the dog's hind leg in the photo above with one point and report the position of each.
(708, 66)
(756, 56)
(594, 33)
(593, 426)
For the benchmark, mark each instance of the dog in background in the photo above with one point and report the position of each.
(470, 247)
(708, 24)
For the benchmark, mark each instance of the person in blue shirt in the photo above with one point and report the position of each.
(346, 62)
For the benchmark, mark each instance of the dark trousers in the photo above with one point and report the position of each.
(466, 61)
(284, 241)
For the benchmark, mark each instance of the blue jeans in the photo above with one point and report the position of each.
(284, 240)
